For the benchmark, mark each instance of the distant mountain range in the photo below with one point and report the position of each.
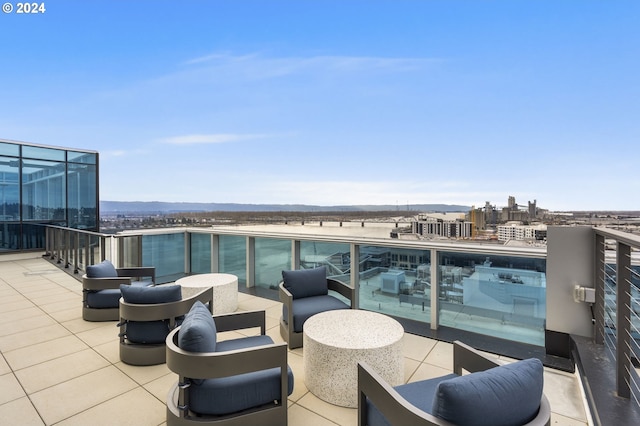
(150, 207)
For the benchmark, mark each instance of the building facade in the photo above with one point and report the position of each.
(45, 185)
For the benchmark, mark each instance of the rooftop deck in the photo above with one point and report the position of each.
(57, 369)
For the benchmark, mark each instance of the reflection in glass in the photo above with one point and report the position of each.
(272, 257)
(232, 256)
(200, 253)
(396, 281)
(500, 296)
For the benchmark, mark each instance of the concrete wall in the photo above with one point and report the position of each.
(570, 261)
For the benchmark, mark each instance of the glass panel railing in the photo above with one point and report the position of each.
(396, 281)
(272, 257)
(500, 296)
(232, 256)
(200, 253)
(167, 253)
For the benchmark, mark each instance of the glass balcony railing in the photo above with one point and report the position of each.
(488, 290)
(483, 289)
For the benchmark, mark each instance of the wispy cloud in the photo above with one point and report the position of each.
(197, 139)
(263, 66)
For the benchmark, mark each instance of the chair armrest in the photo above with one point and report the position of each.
(209, 365)
(287, 300)
(394, 407)
(343, 289)
(161, 311)
(138, 272)
(467, 358)
(95, 284)
(241, 320)
(285, 296)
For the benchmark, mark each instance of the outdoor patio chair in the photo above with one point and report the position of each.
(147, 315)
(304, 293)
(101, 288)
(492, 395)
(237, 382)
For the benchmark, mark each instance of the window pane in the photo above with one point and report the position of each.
(82, 196)
(9, 149)
(43, 153)
(9, 189)
(43, 190)
(81, 157)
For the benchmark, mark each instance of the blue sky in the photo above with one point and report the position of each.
(335, 102)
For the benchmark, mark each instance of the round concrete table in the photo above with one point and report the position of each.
(225, 290)
(334, 343)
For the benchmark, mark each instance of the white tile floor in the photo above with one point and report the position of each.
(57, 369)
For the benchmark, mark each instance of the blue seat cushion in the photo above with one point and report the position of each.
(104, 269)
(108, 298)
(303, 309)
(198, 330)
(419, 394)
(306, 282)
(501, 396)
(228, 395)
(151, 332)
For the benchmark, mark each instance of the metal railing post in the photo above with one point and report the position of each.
(623, 319)
(251, 261)
(599, 275)
(435, 290)
(355, 272)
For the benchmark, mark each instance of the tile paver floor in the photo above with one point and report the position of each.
(56, 369)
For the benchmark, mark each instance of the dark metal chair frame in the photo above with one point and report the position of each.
(125, 276)
(224, 364)
(398, 411)
(149, 353)
(293, 338)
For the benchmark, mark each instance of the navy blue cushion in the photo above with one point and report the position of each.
(236, 393)
(139, 294)
(198, 330)
(108, 298)
(104, 269)
(150, 332)
(501, 396)
(243, 343)
(419, 394)
(303, 309)
(306, 282)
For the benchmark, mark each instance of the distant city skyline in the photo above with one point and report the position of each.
(335, 102)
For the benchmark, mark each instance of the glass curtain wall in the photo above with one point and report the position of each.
(41, 185)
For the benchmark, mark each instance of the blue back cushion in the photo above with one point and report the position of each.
(149, 331)
(104, 269)
(306, 282)
(501, 396)
(151, 295)
(198, 330)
